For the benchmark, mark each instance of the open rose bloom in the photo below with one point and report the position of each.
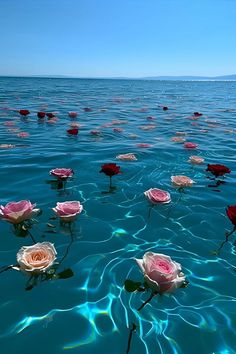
(37, 258)
(182, 181)
(231, 213)
(197, 160)
(17, 212)
(157, 196)
(160, 272)
(68, 211)
(62, 173)
(127, 157)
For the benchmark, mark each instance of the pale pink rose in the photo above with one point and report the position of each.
(177, 139)
(9, 123)
(181, 133)
(144, 145)
(68, 211)
(196, 160)
(62, 173)
(37, 258)
(118, 121)
(190, 145)
(147, 127)
(17, 212)
(72, 114)
(23, 135)
(6, 146)
(182, 181)
(160, 272)
(157, 196)
(127, 157)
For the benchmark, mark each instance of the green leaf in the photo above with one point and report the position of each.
(67, 273)
(131, 285)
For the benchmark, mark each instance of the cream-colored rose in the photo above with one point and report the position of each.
(37, 258)
(182, 181)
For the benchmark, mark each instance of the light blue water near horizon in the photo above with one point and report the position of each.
(91, 310)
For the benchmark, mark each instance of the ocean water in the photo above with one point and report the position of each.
(91, 311)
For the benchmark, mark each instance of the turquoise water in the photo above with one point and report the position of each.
(91, 310)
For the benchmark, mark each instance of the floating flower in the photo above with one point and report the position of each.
(144, 145)
(24, 112)
(73, 131)
(95, 132)
(197, 114)
(62, 173)
(6, 146)
(182, 181)
(110, 169)
(41, 115)
(189, 145)
(50, 115)
(72, 114)
(127, 157)
(161, 273)
(68, 211)
(23, 135)
(17, 212)
(157, 196)
(178, 139)
(197, 160)
(231, 213)
(165, 108)
(88, 109)
(118, 130)
(217, 169)
(37, 258)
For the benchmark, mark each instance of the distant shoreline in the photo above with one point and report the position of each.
(154, 78)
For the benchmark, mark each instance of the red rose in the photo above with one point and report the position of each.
(197, 114)
(41, 114)
(231, 213)
(218, 170)
(50, 115)
(73, 131)
(110, 169)
(24, 112)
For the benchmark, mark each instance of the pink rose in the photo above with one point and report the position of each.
(127, 157)
(67, 211)
(182, 181)
(196, 160)
(160, 272)
(72, 114)
(36, 258)
(190, 145)
(157, 196)
(62, 173)
(17, 212)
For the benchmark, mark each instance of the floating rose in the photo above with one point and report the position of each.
(110, 169)
(143, 145)
(161, 273)
(165, 108)
(62, 173)
(178, 139)
(41, 115)
(231, 213)
(157, 196)
(127, 157)
(217, 169)
(182, 181)
(24, 112)
(37, 258)
(197, 160)
(87, 109)
(50, 115)
(73, 131)
(68, 211)
(118, 130)
(95, 132)
(189, 145)
(17, 212)
(197, 114)
(72, 114)
(23, 135)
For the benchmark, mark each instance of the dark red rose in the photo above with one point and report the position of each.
(165, 108)
(218, 170)
(73, 131)
(41, 114)
(24, 112)
(197, 114)
(88, 109)
(50, 115)
(110, 169)
(231, 213)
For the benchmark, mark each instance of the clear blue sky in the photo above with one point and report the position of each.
(135, 38)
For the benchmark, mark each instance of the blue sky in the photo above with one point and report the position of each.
(105, 38)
